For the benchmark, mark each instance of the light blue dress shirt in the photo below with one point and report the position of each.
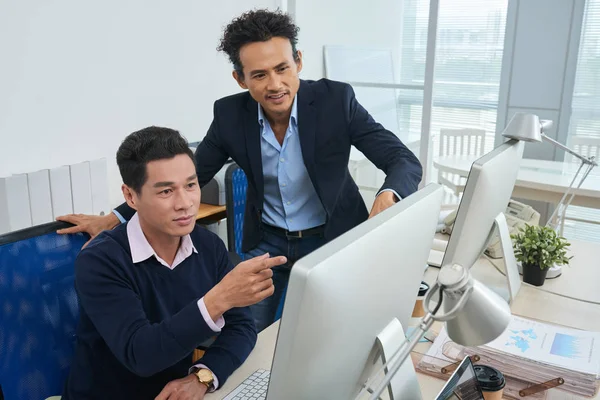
(291, 201)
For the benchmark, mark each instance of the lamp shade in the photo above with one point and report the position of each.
(483, 318)
(525, 127)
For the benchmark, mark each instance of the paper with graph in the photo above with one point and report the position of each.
(551, 344)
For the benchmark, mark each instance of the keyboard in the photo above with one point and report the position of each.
(254, 387)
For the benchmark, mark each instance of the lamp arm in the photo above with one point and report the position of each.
(560, 206)
(561, 146)
(399, 357)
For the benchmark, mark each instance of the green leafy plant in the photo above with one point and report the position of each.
(540, 246)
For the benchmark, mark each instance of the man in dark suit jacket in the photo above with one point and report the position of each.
(292, 138)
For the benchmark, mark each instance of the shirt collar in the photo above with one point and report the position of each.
(293, 115)
(141, 249)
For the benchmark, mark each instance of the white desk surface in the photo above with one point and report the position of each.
(577, 280)
(539, 180)
(530, 302)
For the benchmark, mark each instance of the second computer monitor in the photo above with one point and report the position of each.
(344, 294)
(486, 195)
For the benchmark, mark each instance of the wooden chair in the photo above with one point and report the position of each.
(458, 142)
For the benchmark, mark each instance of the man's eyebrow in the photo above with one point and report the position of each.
(163, 184)
(167, 183)
(258, 71)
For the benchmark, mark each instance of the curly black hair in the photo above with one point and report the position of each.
(256, 26)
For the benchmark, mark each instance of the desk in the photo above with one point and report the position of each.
(538, 180)
(530, 302)
(579, 281)
(208, 213)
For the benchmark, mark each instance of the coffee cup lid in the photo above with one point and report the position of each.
(423, 289)
(490, 379)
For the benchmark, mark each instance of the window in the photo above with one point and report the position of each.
(389, 76)
(584, 126)
(468, 59)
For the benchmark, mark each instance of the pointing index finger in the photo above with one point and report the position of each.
(269, 263)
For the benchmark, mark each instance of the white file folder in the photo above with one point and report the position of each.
(60, 191)
(99, 182)
(81, 188)
(40, 201)
(14, 204)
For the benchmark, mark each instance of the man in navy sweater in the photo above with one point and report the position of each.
(152, 290)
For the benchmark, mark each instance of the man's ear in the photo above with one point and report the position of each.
(239, 79)
(130, 196)
(298, 60)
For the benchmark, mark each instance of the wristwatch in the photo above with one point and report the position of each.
(205, 377)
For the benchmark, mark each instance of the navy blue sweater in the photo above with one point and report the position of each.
(139, 323)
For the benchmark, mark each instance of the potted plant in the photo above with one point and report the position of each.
(538, 248)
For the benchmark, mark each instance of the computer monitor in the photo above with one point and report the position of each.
(343, 295)
(485, 198)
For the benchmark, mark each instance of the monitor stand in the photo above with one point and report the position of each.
(404, 385)
(511, 269)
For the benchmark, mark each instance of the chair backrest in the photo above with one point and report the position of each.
(236, 186)
(458, 142)
(39, 310)
(587, 146)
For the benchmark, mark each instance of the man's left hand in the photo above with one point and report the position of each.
(188, 388)
(382, 201)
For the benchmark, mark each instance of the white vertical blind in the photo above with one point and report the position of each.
(585, 117)
(468, 59)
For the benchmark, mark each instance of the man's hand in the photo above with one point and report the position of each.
(383, 201)
(188, 388)
(248, 283)
(91, 224)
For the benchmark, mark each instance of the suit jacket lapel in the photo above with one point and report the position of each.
(307, 128)
(252, 135)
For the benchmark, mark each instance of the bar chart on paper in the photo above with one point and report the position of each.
(575, 347)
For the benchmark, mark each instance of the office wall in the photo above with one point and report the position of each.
(376, 23)
(76, 77)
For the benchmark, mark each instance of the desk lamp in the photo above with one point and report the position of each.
(529, 128)
(474, 315)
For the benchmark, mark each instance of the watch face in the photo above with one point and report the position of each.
(204, 375)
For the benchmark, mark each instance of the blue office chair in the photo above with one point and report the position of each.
(38, 310)
(236, 186)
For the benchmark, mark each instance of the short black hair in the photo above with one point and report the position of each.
(148, 144)
(256, 26)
